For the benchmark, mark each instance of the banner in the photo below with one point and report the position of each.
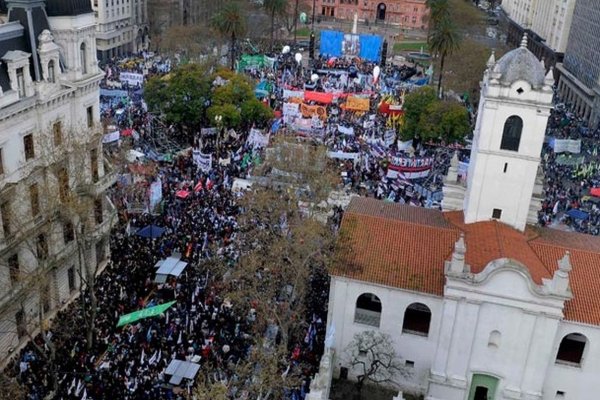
(291, 110)
(145, 313)
(404, 146)
(565, 145)
(389, 137)
(114, 93)
(293, 93)
(409, 168)
(331, 43)
(131, 78)
(357, 104)
(203, 161)
(208, 131)
(346, 130)
(341, 155)
(370, 47)
(257, 139)
(318, 97)
(111, 137)
(309, 111)
(155, 194)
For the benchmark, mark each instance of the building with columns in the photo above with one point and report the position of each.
(547, 22)
(480, 303)
(579, 83)
(121, 27)
(53, 176)
(408, 14)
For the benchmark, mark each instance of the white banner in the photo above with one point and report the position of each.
(208, 131)
(565, 145)
(293, 93)
(257, 139)
(203, 161)
(342, 155)
(111, 137)
(368, 124)
(389, 137)
(291, 109)
(346, 130)
(403, 146)
(131, 78)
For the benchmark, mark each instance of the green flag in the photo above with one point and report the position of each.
(145, 313)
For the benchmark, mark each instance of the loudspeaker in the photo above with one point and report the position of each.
(384, 53)
(311, 46)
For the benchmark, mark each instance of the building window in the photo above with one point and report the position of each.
(83, 58)
(496, 213)
(98, 211)
(63, 184)
(29, 148)
(34, 197)
(21, 82)
(21, 324)
(57, 133)
(90, 116)
(68, 232)
(45, 297)
(417, 319)
(51, 72)
(368, 310)
(94, 164)
(13, 268)
(1, 162)
(6, 223)
(571, 349)
(494, 340)
(71, 278)
(42, 246)
(511, 136)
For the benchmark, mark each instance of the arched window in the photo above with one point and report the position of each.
(511, 136)
(51, 72)
(417, 319)
(368, 310)
(83, 58)
(571, 349)
(494, 340)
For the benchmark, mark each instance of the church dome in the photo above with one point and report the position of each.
(520, 64)
(55, 8)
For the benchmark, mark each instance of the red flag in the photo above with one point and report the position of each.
(198, 187)
(209, 184)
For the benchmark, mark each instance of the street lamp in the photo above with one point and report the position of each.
(219, 122)
(312, 27)
(298, 58)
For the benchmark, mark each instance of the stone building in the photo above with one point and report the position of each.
(50, 155)
(167, 13)
(579, 83)
(479, 303)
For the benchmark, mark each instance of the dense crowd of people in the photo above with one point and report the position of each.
(202, 326)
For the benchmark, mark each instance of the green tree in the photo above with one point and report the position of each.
(180, 96)
(443, 40)
(439, 10)
(237, 90)
(415, 105)
(253, 111)
(274, 8)
(447, 120)
(230, 22)
(232, 117)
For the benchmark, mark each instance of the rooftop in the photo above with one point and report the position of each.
(521, 64)
(406, 247)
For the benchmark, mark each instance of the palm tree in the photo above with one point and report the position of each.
(439, 10)
(274, 7)
(443, 40)
(230, 22)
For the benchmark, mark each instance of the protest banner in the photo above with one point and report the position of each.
(565, 145)
(202, 161)
(309, 111)
(145, 313)
(293, 93)
(131, 78)
(354, 103)
(208, 131)
(291, 110)
(409, 168)
(111, 137)
(346, 130)
(389, 137)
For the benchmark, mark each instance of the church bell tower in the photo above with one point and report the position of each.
(515, 103)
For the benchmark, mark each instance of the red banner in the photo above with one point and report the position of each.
(319, 97)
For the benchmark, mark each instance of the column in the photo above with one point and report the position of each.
(447, 328)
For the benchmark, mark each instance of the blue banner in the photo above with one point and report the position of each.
(370, 47)
(331, 43)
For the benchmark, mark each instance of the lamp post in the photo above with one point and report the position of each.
(298, 58)
(312, 27)
(219, 122)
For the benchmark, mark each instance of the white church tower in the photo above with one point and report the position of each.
(516, 98)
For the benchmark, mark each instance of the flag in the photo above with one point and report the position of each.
(209, 184)
(142, 357)
(198, 186)
(84, 397)
(179, 339)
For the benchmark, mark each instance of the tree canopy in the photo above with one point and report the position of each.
(429, 118)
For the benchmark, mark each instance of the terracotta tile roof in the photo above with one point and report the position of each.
(405, 247)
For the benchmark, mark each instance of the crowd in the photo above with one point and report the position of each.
(203, 326)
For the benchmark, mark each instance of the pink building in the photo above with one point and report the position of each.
(408, 14)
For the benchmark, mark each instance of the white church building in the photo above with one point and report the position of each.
(480, 303)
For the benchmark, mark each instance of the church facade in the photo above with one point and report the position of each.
(480, 304)
(50, 154)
